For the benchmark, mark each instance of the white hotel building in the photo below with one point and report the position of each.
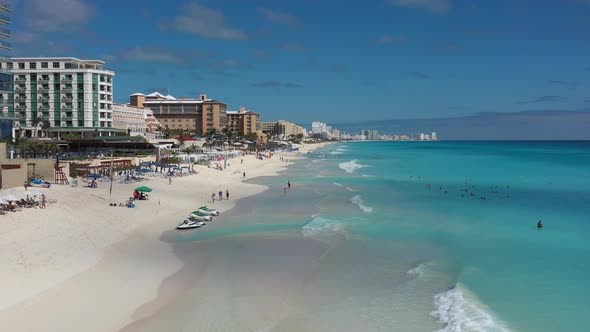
(68, 94)
(136, 121)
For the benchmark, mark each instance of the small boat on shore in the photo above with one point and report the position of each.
(189, 224)
(200, 216)
(206, 211)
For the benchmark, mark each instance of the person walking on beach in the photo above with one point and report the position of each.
(43, 201)
(285, 191)
(213, 197)
(289, 184)
(220, 195)
(227, 194)
(241, 161)
(244, 175)
(169, 180)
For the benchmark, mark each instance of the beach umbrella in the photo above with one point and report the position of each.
(144, 189)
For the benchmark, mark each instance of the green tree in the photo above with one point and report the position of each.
(35, 123)
(252, 137)
(45, 127)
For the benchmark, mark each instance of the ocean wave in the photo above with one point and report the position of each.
(342, 149)
(358, 201)
(349, 189)
(337, 152)
(459, 310)
(337, 184)
(319, 226)
(351, 166)
(418, 271)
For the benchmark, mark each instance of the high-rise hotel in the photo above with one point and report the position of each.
(63, 96)
(5, 76)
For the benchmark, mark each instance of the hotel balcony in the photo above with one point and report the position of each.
(43, 98)
(5, 45)
(43, 90)
(20, 99)
(43, 80)
(66, 89)
(67, 80)
(43, 108)
(20, 80)
(4, 32)
(4, 19)
(67, 107)
(66, 98)
(5, 6)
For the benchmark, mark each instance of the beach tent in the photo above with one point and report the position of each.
(144, 189)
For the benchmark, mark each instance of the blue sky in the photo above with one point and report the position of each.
(336, 61)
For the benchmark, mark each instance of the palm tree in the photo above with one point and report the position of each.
(45, 127)
(35, 122)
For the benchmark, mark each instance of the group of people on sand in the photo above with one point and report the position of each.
(220, 194)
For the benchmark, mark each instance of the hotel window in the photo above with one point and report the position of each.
(44, 65)
(56, 65)
(21, 65)
(32, 65)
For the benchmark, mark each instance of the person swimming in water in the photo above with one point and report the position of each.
(540, 224)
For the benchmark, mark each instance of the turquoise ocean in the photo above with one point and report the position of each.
(410, 236)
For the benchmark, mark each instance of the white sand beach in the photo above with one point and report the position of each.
(82, 265)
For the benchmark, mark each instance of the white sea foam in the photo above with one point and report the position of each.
(349, 189)
(459, 310)
(358, 201)
(338, 184)
(351, 166)
(418, 271)
(319, 226)
(337, 152)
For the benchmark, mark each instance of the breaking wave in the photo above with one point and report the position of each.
(459, 310)
(351, 166)
(319, 226)
(358, 201)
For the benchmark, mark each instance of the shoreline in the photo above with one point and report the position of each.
(72, 277)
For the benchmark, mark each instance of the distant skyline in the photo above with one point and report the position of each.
(340, 63)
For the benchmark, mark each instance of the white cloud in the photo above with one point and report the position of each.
(436, 6)
(278, 17)
(205, 22)
(57, 15)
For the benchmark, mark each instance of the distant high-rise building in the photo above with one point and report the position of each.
(433, 136)
(6, 94)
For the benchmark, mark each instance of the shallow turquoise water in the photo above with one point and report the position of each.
(525, 279)
(406, 257)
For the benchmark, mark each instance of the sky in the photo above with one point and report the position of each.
(334, 61)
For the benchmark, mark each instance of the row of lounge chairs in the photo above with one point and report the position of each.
(19, 205)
